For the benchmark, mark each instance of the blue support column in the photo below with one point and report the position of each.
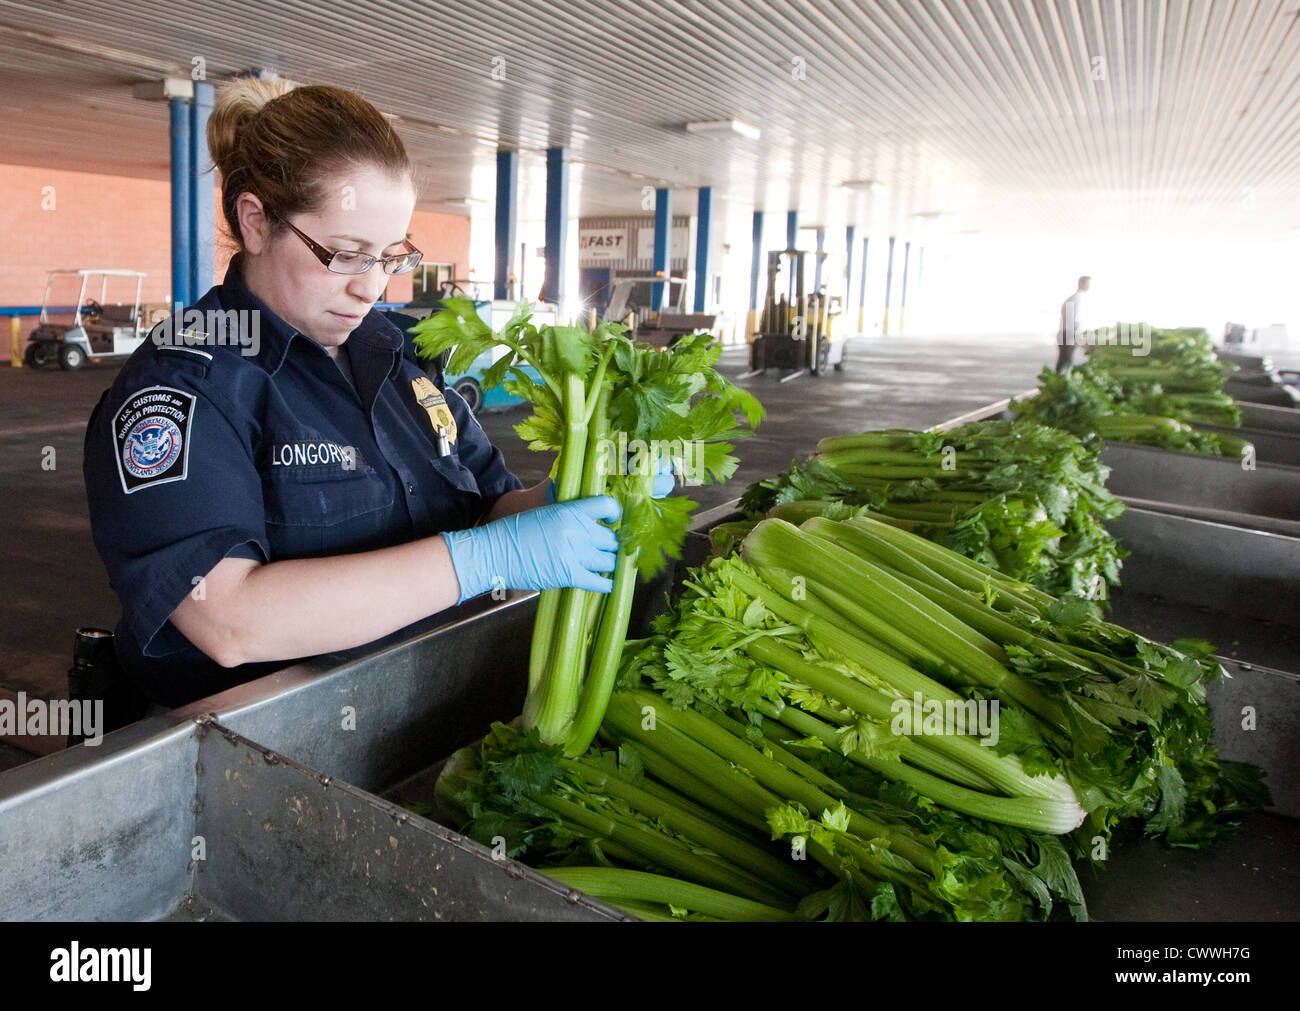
(659, 292)
(507, 216)
(203, 232)
(848, 267)
(862, 287)
(817, 270)
(889, 283)
(557, 223)
(902, 305)
(182, 193)
(756, 266)
(791, 229)
(703, 239)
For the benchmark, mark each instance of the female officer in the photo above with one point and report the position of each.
(305, 488)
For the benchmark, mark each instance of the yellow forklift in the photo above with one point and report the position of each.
(794, 329)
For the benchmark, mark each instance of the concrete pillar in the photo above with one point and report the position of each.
(557, 223)
(182, 197)
(660, 293)
(703, 240)
(506, 218)
(817, 270)
(203, 231)
(755, 270)
(862, 287)
(902, 306)
(889, 283)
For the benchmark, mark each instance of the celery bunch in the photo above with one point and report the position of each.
(595, 395)
(1026, 499)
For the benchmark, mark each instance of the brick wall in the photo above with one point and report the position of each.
(51, 218)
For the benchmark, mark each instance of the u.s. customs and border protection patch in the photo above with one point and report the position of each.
(151, 437)
(431, 399)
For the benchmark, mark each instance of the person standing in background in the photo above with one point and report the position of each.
(1070, 332)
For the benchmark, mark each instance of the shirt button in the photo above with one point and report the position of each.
(410, 488)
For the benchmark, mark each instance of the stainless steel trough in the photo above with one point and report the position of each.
(1264, 417)
(179, 817)
(268, 801)
(1263, 497)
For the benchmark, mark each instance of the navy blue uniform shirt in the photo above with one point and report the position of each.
(201, 451)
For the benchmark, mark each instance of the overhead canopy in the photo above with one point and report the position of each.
(998, 116)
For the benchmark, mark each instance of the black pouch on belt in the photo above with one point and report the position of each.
(96, 676)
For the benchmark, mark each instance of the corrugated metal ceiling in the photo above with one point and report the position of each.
(1047, 116)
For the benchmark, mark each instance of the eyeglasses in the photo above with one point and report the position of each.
(351, 261)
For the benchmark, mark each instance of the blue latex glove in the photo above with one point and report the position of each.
(542, 549)
(665, 482)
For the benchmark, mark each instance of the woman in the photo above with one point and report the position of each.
(304, 487)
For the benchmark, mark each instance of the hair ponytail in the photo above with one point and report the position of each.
(279, 142)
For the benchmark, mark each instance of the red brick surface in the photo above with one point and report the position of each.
(114, 221)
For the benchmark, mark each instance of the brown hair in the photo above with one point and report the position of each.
(279, 142)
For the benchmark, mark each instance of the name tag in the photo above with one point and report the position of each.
(314, 454)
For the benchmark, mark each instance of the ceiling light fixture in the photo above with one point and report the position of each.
(863, 184)
(724, 127)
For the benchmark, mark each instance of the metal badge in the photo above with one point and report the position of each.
(431, 399)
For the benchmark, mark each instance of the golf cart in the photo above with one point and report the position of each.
(74, 327)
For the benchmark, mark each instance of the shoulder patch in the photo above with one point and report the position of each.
(151, 437)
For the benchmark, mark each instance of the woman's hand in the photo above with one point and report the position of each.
(563, 545)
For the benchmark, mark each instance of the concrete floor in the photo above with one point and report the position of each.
(54, 582)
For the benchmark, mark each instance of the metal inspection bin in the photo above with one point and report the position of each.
(178, 817)
(290, 826)
(1239, 892)
(1189, 578)
(1208, 487)
(1274, 431)
(1264, 417)
(275, 785)
(1255, 710)
(1260, 386)
(1184, 578)
(1212, 488)
(1270, 446)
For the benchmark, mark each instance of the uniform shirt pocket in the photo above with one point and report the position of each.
(456, 473)
(326, 510)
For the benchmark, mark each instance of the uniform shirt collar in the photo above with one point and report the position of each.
(376, 332)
